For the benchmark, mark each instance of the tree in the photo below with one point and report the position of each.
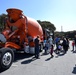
(2, 21)
(47, 25)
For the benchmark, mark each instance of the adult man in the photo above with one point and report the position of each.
(37, 40)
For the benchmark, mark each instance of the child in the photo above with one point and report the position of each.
(73, 45)
(51, 51)
(59, 47)
(46, 47)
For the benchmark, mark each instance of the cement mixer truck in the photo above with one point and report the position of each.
(18, 35)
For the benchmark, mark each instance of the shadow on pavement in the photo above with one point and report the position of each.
(74, 70)
(60, 53)
(43, 54)
(2, 71)
(73, 51)
(19, 56)
(28, 61)
(48, 58)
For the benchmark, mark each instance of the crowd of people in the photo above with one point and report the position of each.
(56, 45)
(60, 43)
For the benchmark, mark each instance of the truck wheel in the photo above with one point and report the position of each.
(6, 58)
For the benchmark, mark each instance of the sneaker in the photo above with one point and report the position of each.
(52, 56)
(38, 57)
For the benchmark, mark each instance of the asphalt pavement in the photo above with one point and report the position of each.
(60, 64)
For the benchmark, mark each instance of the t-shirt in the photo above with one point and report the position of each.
(50, 40)
(36, 42)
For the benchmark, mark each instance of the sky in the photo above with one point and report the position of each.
(62, 13)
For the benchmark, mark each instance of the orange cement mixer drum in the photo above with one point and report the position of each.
(32, 26)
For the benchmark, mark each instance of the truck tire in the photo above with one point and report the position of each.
(6, 58)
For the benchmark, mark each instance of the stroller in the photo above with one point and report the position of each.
(59, 48)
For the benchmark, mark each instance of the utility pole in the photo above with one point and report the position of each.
(61, 28)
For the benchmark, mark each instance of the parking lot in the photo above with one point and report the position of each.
(25, 64)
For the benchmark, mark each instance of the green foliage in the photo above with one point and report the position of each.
(69, 34)
(47, 25)
(2, 21)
